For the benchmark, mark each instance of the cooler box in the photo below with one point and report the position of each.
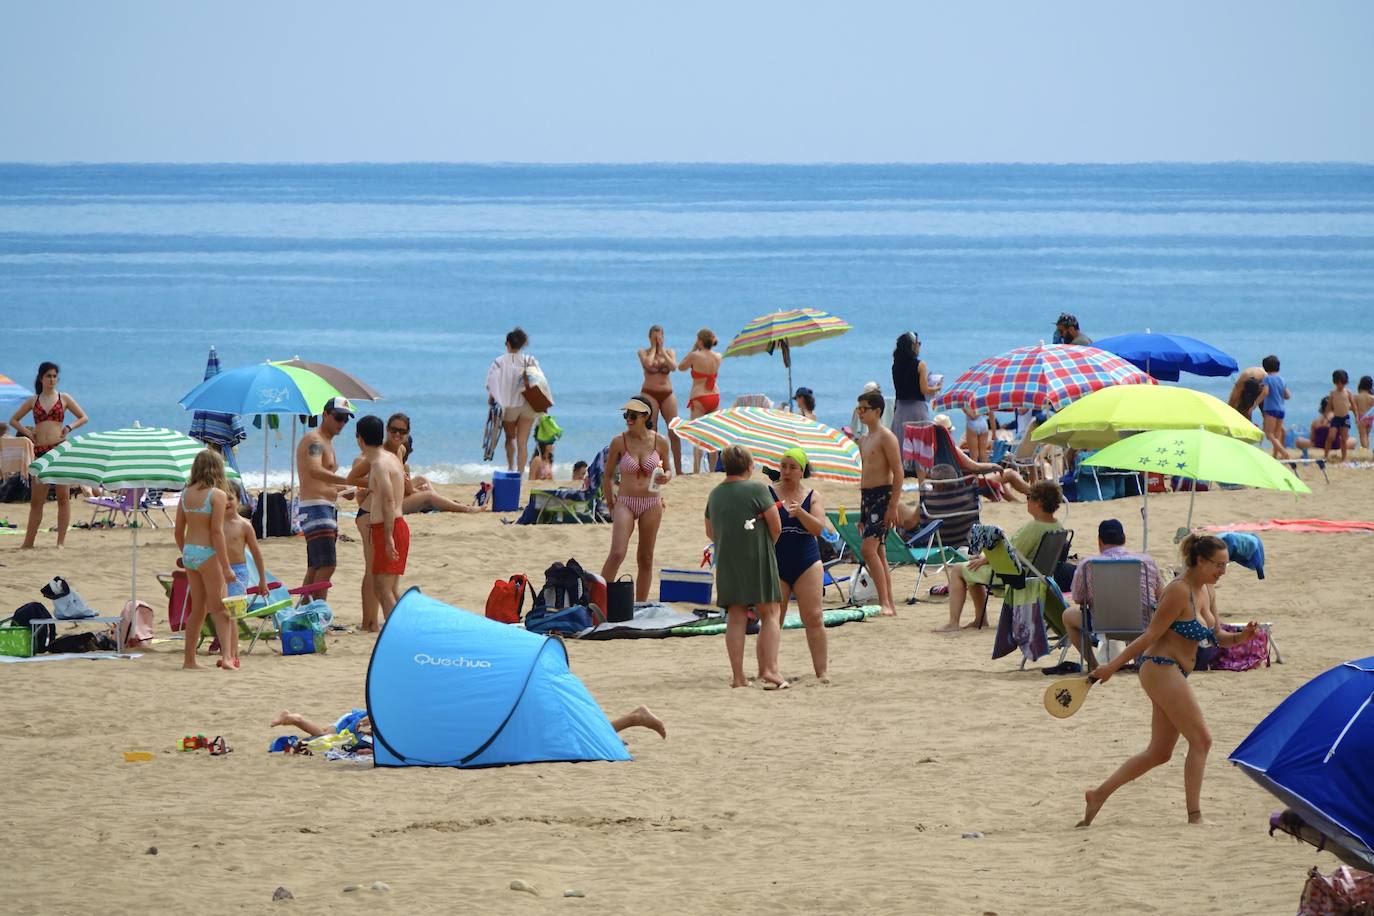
(692, 586)
(505, 491)
(301, 642)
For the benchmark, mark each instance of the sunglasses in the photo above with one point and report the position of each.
(397, 431)
(341, 417)
(633, 414)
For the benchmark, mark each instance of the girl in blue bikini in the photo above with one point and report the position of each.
(1167, 650)
(200, 537)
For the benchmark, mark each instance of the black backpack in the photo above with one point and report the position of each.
(42, 636)
(14, 489)
(565, 585)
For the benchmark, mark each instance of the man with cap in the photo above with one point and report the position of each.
(1066, 332)
(318, 515)
(1111, 545)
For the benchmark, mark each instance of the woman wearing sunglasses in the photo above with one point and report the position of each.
(639, 456)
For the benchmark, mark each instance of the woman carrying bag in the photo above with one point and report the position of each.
(517, 385)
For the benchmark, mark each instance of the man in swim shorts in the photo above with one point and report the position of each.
(881, 481)
(389, 532)
(318, 515)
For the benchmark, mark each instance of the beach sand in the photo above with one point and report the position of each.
(851, 797)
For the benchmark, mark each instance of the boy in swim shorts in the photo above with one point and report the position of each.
(1342, 404)
(881, 481)
(389, 532)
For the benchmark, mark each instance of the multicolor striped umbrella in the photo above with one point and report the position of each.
(124, 459)
(766, 434)
(349, 385)
(1034, 378)
(786, 329)
(11, 391)
(136, 458)
(264, 388)
(224, 429)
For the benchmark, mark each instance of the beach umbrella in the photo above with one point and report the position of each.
(1198, 455)
(1313, 753)
(1102, 417)
(136, 458)
(346, 383)
(1035, 378)
(1164, 356)
(223, 429)
(785, 330)
(264, 388)
(11, 392)
(766, 434)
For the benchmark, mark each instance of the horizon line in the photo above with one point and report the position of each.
(506, 163)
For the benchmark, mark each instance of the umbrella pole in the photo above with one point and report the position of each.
(262, 499)
(121, 634)
(1145, 515)
(1192, 497)
(292, 492)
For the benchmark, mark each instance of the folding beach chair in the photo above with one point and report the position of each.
(1019, 575)
(1116, 611)
(953, 500)
(919, 549)
(561, 505)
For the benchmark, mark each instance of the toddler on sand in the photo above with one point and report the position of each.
(1342, 404)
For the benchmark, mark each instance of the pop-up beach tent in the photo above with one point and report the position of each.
(450, 688)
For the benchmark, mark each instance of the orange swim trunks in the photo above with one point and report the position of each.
(400, 536)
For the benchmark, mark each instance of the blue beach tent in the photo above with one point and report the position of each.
(1315, 752)
(450, 688)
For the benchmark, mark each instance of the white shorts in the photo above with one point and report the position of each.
(517, 413)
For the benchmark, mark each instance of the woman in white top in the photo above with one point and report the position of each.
(506, 388)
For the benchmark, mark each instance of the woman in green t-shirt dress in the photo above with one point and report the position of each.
(742, 521)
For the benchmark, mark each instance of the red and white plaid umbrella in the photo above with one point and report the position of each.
(1033, 378)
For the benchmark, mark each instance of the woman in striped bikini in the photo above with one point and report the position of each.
(640, 455)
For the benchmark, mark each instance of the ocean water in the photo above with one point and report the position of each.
(410, 275)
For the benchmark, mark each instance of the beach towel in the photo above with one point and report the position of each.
(1301, 525)
(918, 445)
(1022, 622)
(1245, 549)
(1345, 890)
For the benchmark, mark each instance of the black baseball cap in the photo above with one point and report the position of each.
(1110, 531)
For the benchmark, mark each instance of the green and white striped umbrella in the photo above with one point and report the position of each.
(136, 458)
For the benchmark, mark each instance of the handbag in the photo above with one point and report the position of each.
(534, 395)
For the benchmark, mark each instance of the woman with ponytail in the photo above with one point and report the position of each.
(1187, 616)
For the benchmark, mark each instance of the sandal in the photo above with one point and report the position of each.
(939, 591)
(218, 748)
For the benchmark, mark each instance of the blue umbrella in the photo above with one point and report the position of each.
(1166, 355)
(224, 429)
(11, 392)
(1315, 752)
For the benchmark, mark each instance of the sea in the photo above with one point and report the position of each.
(409, 276)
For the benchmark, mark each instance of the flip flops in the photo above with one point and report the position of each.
(1062, 668)
(218, 748)
(939, 591)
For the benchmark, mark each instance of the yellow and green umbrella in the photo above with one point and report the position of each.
(785, 330)
(1198, 454)
(1102, 417)
(766, 434)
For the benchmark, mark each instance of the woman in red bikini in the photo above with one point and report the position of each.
(658, 363)
(51, 425)
(640, 455)
(704, 364)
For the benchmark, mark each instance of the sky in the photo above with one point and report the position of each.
(707, 81)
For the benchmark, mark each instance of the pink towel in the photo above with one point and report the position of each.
(1304, 525)
(16, 454)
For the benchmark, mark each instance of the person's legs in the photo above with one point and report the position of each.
(510, 429)
(875, 558)
(522, 441)
(1014, 480)
(421, 500)
(295, 720)
(642, 718)
(766, 646)
(644, 551)
(808, 590)
(736, 628)
(195, 619)
(979, 594)
(622, 526)
(388, 588)
(213, 587)
(668, 407)
(38, 496)
(1163, 738)
(1073, 629)
(697, 410)
(1170, 691)
(958, 591)
(372, 607)
(65, 512)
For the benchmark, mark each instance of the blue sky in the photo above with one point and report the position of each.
(733, 81)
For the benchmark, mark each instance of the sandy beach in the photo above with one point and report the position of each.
(856, 796)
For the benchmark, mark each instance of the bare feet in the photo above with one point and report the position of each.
(773, 681)
(888, 612)
(286, 716)
(1093, 805)
(947, 628)
(192, 667)
(1195, 817)
(739, 682)
(976, 624)
(646, 719)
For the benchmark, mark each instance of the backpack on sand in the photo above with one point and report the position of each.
(506, 600)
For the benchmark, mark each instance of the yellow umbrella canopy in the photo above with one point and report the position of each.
(1104, 416)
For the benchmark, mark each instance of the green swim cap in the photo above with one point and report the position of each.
(797, 455)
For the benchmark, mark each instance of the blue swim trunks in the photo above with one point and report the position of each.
(242, 579)
(319, 520)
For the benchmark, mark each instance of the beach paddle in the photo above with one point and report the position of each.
(1062, 698)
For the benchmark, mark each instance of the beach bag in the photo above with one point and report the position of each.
(547, 429)
(42, 636)
(135, 625)
(570, 620)
(67, 604)
(863, 588)
(506, 600)
(1242, 657)
(535, 396)
(14, 489)
(76, 644)
(620, 600)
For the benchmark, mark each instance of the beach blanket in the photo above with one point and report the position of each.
(918, 445)
(713, 624)
(1301, 525)
(62, 657)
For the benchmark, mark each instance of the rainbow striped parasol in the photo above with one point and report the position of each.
(786, 329)
(766, 434)
(10, 390)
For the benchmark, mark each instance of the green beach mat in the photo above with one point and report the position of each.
(715, 626)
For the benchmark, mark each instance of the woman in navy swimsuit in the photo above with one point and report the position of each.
(799, 557)
(1167, 650)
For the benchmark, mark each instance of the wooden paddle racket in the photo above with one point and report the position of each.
(1062, 698)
